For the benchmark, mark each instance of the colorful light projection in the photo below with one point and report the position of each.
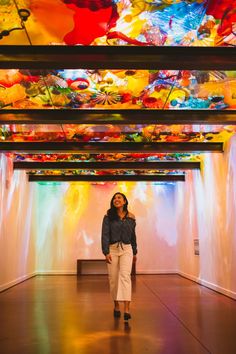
(123, 157)
(117, 89)
(120, 22)
(115, 133)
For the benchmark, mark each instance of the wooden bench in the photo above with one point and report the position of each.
(95, 266)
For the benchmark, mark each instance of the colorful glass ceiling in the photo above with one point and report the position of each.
(117, 89)
(118, 22)
(104, 172)
(124, 157)
(115, 133)
(102, 163)
(110, 174)
(119, 92)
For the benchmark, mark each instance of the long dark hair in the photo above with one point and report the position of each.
(112, 212)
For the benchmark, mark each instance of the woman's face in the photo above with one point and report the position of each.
(119, 201)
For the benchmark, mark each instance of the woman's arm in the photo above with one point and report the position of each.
(134, 243)
(105, 235)
(133, 236)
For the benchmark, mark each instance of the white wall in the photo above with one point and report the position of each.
(207, 209)
(17, 260)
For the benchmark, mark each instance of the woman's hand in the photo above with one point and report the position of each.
(108, 258)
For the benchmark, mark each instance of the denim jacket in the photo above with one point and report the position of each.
(118, 231)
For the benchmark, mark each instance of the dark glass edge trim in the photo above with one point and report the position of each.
(154, 178)
(68, 116)
(170, 165)
(74, 147)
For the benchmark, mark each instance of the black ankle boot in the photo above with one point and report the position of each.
(127, 316)
(116, 313)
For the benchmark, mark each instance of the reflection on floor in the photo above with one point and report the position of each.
(69, 314)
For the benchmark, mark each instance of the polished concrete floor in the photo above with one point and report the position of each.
(70, 315)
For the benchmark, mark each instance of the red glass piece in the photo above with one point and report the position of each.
(92, 19)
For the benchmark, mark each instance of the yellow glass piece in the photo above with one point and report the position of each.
(131, 28)
(163, 94)
(59, 100)
(9, 17)
(44, 31)
(137, 83)
(226, 88)
(12, 94)
(178, 94)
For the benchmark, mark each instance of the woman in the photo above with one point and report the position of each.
(120, 249)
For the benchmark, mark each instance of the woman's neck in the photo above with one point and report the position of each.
(121, 212)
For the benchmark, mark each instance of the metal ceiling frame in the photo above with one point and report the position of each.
(106, 178)
(117, 57)
(109, 165)
(98, 147)
(122, 116)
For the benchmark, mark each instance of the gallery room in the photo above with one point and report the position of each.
(117, 176)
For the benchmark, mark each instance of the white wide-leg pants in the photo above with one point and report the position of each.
(119, 271)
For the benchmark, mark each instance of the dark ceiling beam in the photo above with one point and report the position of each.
(117, 57)
(110, 178)
(122, 116)
(109, 165)
(81, 147)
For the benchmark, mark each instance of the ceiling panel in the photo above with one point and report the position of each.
(105, 147)
(78, 172)
(119, 116)
(86, 133)
(112, 22)
(117, 89)
(107, 157)
(106, 175)
(107, 178)
(148, 165)
(117, 57)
